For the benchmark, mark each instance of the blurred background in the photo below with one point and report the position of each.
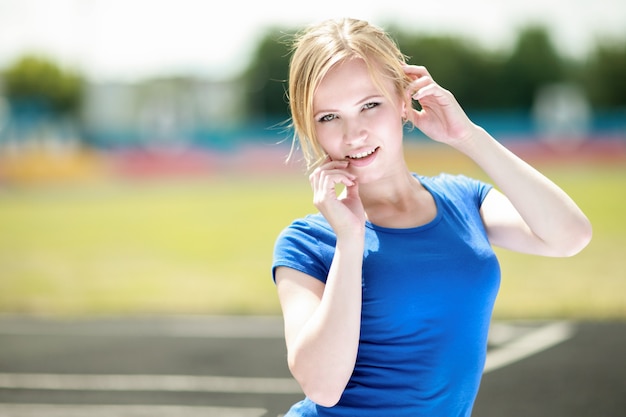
(143, 144)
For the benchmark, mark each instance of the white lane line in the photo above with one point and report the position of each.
(232, 327)
(58, 410)
(175, 383)
(528, 344)
(516, 349)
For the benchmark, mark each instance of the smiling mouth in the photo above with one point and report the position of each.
(362, 154)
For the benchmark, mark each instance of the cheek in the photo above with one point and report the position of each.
(328, 136)
(390, 123)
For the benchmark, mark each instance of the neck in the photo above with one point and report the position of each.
(397, 202)
(397, 190)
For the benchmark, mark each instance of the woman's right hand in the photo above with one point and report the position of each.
(344, 213)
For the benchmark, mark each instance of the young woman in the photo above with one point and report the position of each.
(387, 292)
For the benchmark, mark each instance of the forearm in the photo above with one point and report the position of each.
(323, 355)
(548, 211)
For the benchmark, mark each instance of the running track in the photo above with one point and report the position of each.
(236, 367)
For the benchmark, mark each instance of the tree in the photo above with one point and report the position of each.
(37, 81)
(457, 65)
(605, 79)
(533, 64)
(479, 79)
(266, 77)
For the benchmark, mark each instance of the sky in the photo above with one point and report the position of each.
(126, 40)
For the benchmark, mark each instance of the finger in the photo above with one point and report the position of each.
(334, 167)
(352, 191)
(416, 71)
(433, 93)
(419, 84)
(324, 180)
(314, 177)
(328, 165)
(335, 164)
(329, 181)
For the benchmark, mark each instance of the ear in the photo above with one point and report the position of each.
(403, 111)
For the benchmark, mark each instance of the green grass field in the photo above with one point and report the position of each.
(205, 247)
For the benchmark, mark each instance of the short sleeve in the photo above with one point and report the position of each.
(305, 246)
(463, 188)
(477, 188)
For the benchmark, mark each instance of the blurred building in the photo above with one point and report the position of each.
(164, 113)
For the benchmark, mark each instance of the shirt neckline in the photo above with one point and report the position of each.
(414, 229)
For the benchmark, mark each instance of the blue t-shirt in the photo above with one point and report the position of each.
(428, 295)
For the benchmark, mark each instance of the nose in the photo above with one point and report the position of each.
(354, 133)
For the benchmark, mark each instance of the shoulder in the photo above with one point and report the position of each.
(453, 186)
(312, 226)
(307, 245)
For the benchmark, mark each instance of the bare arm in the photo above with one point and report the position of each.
(322, 322)
(322, 325)
(531, 214)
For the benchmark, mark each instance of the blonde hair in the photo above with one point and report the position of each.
(316, 50)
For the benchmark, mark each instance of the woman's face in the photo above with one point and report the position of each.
(355, 121)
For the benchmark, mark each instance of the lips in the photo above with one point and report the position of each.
(362, 155)
(364, 158)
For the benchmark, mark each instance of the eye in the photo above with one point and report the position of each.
(370, 105)
(327, 118)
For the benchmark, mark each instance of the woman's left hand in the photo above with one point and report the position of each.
(441, 117)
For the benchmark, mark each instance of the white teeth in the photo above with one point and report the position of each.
(362, 154)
